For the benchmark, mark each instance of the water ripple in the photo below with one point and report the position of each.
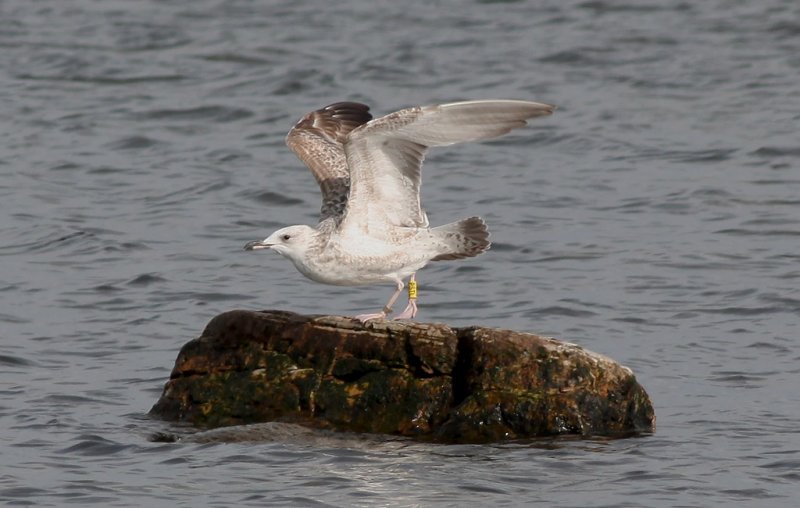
(654, 218)
(215, 113)
(93, 446)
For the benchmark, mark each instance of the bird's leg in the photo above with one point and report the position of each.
(411, 309)
(386, 310)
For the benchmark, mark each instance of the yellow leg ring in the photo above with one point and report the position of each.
(412, 290)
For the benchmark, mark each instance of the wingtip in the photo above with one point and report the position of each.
(534, 109)
(541, 108)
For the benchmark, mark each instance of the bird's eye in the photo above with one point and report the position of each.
(286, 238)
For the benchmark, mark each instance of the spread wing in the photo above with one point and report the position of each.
(385, 155)
(317, 140)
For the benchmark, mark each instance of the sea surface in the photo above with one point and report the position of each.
(654, 218)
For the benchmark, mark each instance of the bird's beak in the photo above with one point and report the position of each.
(257, 244)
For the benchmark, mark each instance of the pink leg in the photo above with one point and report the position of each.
(411, 309)
(386, 310)
(410, 312)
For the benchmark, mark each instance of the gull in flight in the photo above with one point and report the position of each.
(372, 227)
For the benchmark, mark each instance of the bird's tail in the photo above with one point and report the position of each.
(463, 239)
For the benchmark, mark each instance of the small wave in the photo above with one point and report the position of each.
(217, 113)
(600, 6)
(134, 143)
(92, 445)
(54, 239)
(775, 151)
(758, 232)
(557, 310)
(145, 279)
(770, 346)
(578, 56)
(775, 181)
(235, 58)
(269, 197)
(16, 361)
(138, 36)
(740, 311)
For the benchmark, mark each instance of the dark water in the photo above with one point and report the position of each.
(654, 218)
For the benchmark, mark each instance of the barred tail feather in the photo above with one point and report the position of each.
(463, 239)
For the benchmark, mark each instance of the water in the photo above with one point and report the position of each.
(654, 218)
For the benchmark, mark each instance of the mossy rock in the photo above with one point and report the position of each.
(427, 381)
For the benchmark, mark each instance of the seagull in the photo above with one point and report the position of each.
(372, 228)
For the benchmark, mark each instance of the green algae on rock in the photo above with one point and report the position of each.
(421, 380)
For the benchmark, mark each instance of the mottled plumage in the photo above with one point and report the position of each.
(318, 140)
(372, 226)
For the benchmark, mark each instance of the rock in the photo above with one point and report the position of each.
(423, 380)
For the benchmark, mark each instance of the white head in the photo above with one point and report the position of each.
(292, 242)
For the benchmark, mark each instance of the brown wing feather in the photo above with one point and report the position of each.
(317, 140)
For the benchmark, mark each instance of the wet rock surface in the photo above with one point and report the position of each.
(421, 380)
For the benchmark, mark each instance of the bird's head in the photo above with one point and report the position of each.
(291, 242)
